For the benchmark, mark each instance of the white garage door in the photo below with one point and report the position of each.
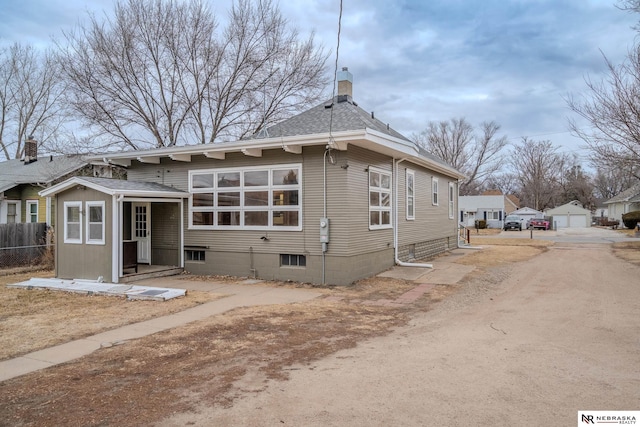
(577, 221)
(572, 221)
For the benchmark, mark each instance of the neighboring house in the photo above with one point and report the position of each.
(489, 207)
(569, 215)
(627, 201)
(21, 180)
(527, 214)
(331, 195)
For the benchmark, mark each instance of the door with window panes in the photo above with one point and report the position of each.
(141, 230)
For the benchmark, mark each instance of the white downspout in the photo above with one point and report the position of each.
(395, 220)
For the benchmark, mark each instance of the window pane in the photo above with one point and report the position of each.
(11, 209)
(33, 208)
(374, 179)
(255, 178)
(203, 218)
(386, 199)
(256, 198)
(285, 218)
(285, 177)
(302, 261)
(385, 181)
(95, 213)
(229, 199)
(374, 198)
(374, 218)
(73, 214)
(73, 231)
(95, 231)
(229, 218)
(410, 207)
(202, 180)
(229, 179)
(386, 218)
(256, 218)
(203, 199)
(285, 198)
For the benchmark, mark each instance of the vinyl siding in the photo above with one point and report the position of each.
(432, 226)
(82, 261)
(354, 251)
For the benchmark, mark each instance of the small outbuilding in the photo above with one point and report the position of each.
(570, 215)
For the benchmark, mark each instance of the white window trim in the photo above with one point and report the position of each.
(88, 223)
(452, 199)
(411, 216)
(29, 203)
(380, 208)
(270, 208)
(5, 210)
(66, 223)
(435, 197)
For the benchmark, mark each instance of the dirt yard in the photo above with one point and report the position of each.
(34, 319)
(509, 338)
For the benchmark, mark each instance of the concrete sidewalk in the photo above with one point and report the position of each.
(445, 272)
(238, 296)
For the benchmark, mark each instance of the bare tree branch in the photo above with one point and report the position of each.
(478, 156)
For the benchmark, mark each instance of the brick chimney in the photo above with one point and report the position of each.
(30, 150)
(345, 85)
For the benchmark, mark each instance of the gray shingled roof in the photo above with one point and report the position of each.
(631, 194)
(124, 185)
(43, 171)
(347, 116)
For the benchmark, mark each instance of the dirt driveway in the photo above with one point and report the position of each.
(527, 345)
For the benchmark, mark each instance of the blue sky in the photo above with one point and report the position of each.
(414, 61)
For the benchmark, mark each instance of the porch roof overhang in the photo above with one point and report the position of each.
(117, 187)
(366, 138)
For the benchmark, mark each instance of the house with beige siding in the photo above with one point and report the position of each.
(627, 201)
(331, 195)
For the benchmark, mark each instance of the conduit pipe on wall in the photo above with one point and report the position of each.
(395, 220)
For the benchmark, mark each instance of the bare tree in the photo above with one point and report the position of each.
(160, 72)
(609, 182)
(476, 154)
(30, 92)
(538, 168)
(612, 108)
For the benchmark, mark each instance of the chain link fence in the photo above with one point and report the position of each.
(27, 256)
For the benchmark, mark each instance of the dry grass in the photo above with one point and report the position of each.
(492, 256)
(629, 251)
(34, 319)
(497, 241)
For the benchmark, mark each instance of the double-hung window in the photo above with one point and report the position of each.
(434, 189)
(32, 211)
(451, 199)
(260, 198)
(72, 222)
(379, 199)
(95, 223)
(411, 194)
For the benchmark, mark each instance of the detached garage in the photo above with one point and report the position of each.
(570, 215)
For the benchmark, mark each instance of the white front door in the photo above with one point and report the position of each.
(141, 230)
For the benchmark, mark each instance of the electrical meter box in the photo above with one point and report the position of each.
(324, 230)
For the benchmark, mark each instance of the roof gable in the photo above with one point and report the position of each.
(116, 187)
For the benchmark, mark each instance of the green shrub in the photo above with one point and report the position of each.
(481, 224)
(631, 219)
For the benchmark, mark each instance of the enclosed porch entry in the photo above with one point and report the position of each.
(151, 239)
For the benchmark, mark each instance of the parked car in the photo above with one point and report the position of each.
(539, 224)
(512, 222)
